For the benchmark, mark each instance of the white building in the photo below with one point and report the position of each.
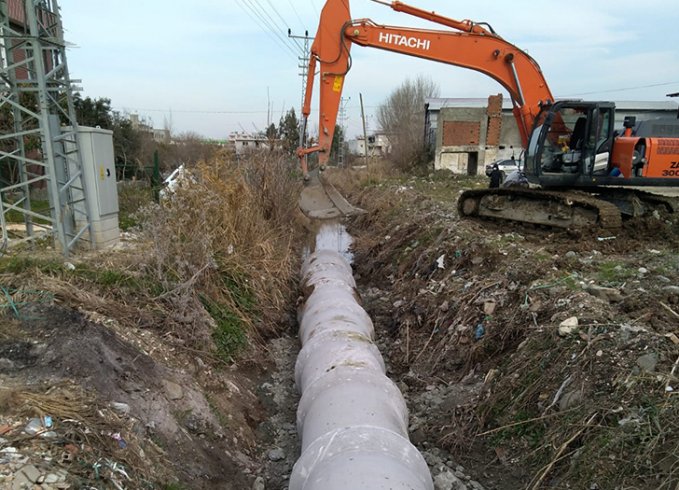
(378, 145)
(246, 142)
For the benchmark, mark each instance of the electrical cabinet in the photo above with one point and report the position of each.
(99, 178)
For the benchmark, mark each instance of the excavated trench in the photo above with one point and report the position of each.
(350, 427)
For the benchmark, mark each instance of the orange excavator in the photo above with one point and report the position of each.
(587, 173)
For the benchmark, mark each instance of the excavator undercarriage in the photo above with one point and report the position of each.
(563, 209)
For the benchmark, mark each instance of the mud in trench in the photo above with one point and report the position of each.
(280, 444)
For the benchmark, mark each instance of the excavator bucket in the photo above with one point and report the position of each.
(321, 200)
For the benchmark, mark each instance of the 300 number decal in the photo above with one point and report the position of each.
(674, 172)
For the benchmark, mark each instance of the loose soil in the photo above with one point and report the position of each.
(470, 314)
(471, 317)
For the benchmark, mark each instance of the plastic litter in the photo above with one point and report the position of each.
(33, 427)
(121, 442)
(479, 332)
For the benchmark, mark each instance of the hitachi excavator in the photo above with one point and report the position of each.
(584, 169)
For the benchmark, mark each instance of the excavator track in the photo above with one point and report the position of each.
(571, 209)
(636, 202)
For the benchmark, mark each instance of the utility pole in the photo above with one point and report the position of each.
(304, 67)
(365, 132)
(342, 121)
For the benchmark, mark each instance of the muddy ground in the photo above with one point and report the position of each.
(535, 358)
(476, 322)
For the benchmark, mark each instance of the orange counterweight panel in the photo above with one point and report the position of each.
(663, 158)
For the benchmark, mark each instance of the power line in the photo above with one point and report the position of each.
(264, 16)
(190, 111)
(285, 23)
(294, 10)
(278, 30)
(250, 14)
(229, 112)
(624, 89)
(254, 15)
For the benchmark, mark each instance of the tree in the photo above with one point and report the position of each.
(288, 129)
(271, 135)
(401, 117)
(127, 144)
(93, 112)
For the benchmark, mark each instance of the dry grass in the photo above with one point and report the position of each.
(80, 421)
(227, 241)
(622, 432)
(617, 427)
(214, 268)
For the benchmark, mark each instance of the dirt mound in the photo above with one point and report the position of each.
(164, 409)
(484, 314)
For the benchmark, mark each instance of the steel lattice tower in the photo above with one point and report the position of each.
(39, 148)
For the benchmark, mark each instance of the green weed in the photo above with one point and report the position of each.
(130, 200)
(229, 335)
(19, 264)
(37, 206)
(614, 272)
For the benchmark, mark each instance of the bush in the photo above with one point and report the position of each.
(224, 247)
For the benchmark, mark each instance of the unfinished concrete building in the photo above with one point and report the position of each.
(465, 135)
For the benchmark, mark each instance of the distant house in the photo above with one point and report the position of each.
(378, 145)
(468, 134)
(246, 142)
(158, 135)
(161, 135)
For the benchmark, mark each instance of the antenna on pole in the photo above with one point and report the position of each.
(675, 94)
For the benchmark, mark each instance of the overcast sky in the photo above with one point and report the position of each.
(207, 65)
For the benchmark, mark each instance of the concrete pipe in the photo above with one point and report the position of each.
(352, 419)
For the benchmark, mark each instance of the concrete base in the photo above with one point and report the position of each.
(105, 231)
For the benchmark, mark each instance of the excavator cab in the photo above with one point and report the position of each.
(571, 143)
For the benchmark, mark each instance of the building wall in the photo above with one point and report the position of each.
(378, 145)
(460, 134)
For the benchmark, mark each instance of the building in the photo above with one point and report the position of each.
(378, 145)
(468, 134)
(142, 125)
(247, 142)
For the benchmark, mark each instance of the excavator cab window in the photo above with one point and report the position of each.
(574, 140)
(559, 148)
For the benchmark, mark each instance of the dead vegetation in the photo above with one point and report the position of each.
(212, 266)
(171, 325)
(81, 435)
(224, 244)
(480, 304)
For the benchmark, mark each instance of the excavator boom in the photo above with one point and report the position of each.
(568, 144)
(466, 44)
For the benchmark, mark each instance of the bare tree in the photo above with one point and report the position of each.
(401, 117)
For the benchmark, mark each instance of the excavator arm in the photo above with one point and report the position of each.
(468, 45)
(331, 51)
